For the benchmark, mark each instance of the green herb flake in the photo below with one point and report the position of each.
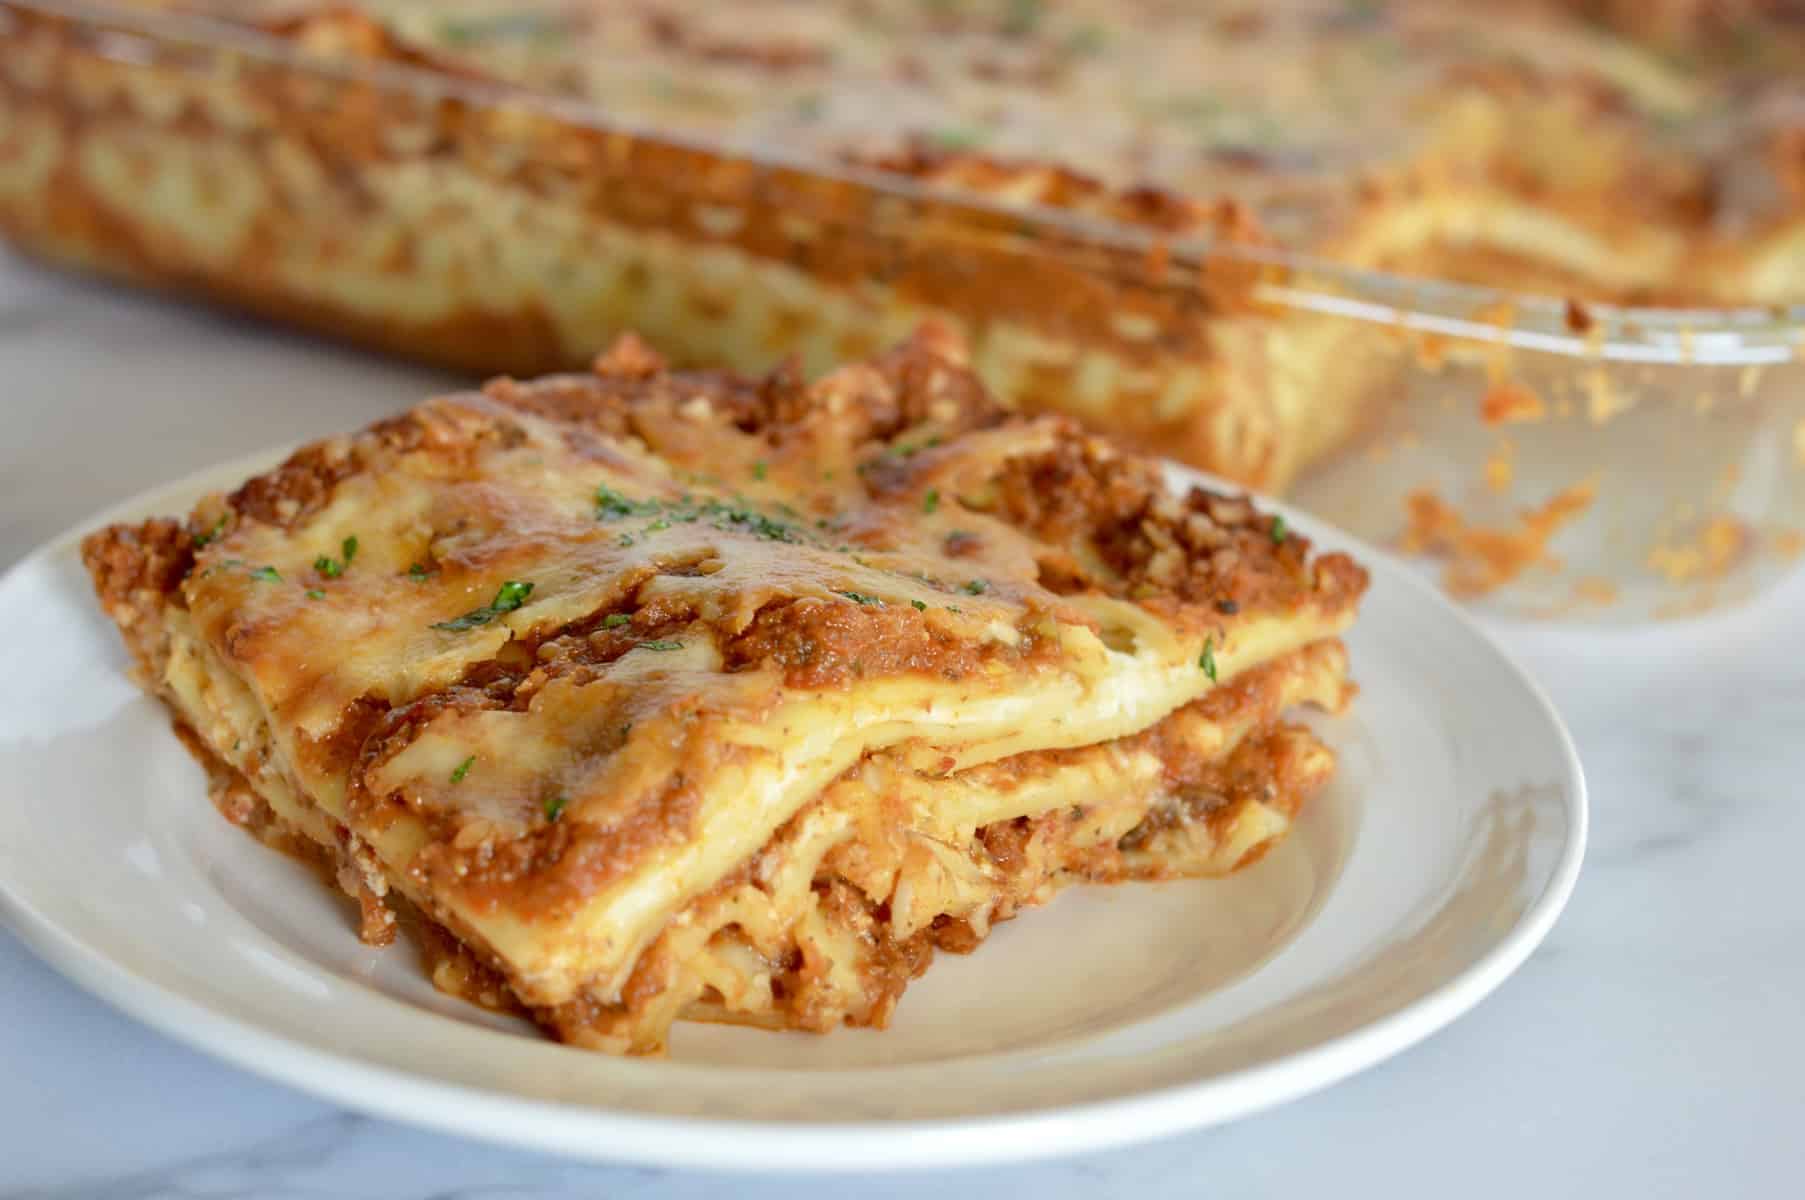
(331, 567)
(911, 449)
(1207, 660)
(463, 769)
(861, 598)
(660, 644)
(212, 535)
(315, 594)
(510, 596)
(533, 26)
(758, 470)
(1023, 16)
(975, 587)
(919, 605)
(616, 620)
(610, 505)
(735, 517)
(958, 137)
(931, 501)
(267, 575)
(1279, 532)
(419, 572)
(1086, 40)
(554, 807)
(751, 521)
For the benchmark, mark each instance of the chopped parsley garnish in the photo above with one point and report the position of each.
(758, 470)
(554, 807)
(419, 572)
(861, 598)
(615, 620)
(212, 535)
(660, 644)
(624, 540)
(975, 587)
(751, 521)
(1022, 17)
(1207, 660)
(1086, 40)
(931, 501)
(510, 596)
(267, 575)
(911, 449)
(527, 25)
(463, 769)
(958, 137)
(610, 505)
(1279, 532)
(331, 567)
(315, 594)
(920, 605)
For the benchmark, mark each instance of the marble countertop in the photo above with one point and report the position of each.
(1654, 1046)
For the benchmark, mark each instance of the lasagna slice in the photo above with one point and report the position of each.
(648, 695)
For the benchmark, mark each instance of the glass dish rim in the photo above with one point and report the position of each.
(1433, 308)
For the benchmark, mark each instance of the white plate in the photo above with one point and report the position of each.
(1411, 888)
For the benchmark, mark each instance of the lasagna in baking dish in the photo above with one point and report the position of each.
(504, 185)
(1606, 153)
(650, 695)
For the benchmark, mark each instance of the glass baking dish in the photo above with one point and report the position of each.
(1542, 459)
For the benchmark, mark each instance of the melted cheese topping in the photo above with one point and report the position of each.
(566, 655)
